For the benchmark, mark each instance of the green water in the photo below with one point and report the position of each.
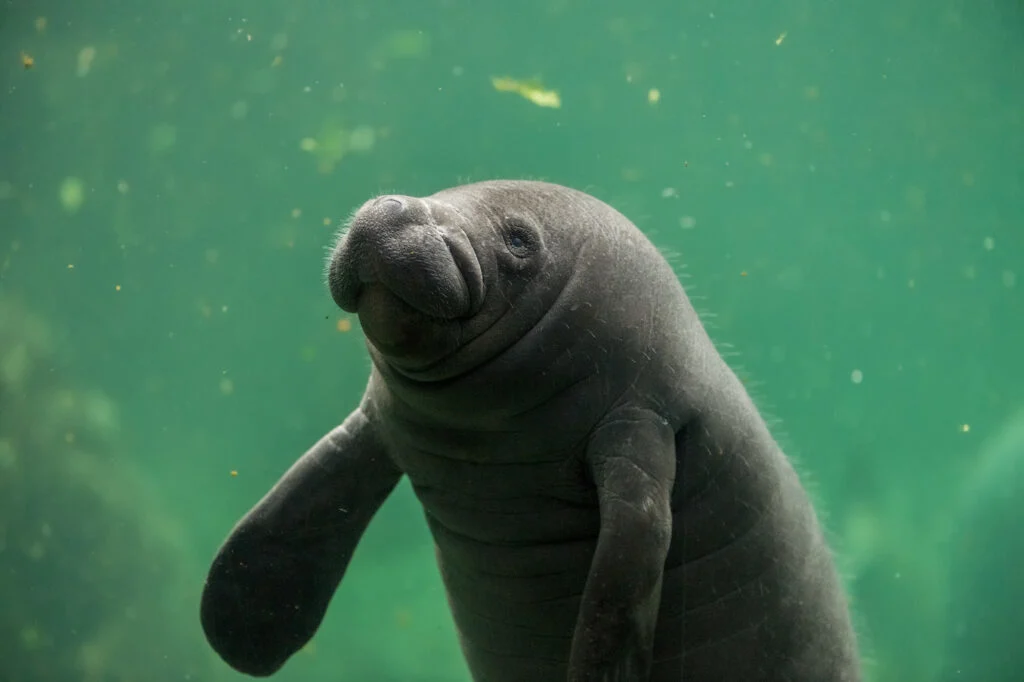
(840, 185)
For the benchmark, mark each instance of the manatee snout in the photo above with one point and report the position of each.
(405, 265)
(403, 245)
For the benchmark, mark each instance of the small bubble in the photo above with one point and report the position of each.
(856, 376)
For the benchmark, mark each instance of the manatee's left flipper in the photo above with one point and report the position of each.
(631, 458)
(271, 581)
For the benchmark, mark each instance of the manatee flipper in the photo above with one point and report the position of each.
(631, 458)
(271, 581)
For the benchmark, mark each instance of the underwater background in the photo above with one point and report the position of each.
(839, 185)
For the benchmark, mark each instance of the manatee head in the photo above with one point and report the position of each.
(446, 283)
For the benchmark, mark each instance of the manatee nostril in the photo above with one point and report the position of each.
(391, 204)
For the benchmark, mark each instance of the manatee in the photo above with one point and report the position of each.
(606, 502)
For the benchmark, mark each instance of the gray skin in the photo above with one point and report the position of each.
(606, 503)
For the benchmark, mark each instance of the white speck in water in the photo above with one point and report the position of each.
(669, 192)
(856, 376)
(687, 222)
(989, 243)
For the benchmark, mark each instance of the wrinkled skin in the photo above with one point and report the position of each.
(606, 503)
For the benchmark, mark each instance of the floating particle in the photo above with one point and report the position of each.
(72, 194)
(296, 213)
(27, 61)
(965, 428)
(653, 96)
(234, 472)
(117, 287)
(85, 58)
(308, 144)
(40, 24)
(781, 38)
(362, 139)
(530, 90)
(162, 137)
(687, 222)
(122, 186)
(743, 273)
(1009, 279)
(989, 243)
(344, 325)
(669, 193)
(856, 376)
(227, 387)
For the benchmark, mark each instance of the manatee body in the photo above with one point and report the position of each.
(986, 588)
(607, 504)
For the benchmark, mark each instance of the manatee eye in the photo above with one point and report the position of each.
(519, 241)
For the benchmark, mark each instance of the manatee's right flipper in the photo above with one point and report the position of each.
(271, 581)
